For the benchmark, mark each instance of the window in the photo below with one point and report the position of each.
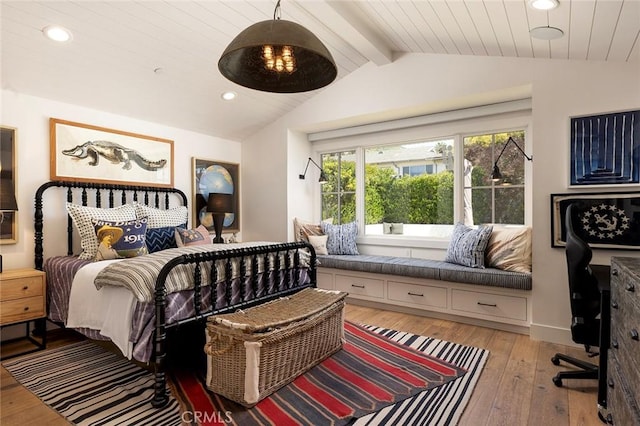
(411, 184)
(339, 193)
(417, 177)
(494, 202)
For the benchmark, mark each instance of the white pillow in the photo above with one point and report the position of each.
(509, 249)
(159, 218)
(83, 217)
(303, 228)
(319, 243)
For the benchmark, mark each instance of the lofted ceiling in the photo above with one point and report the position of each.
(157, 60)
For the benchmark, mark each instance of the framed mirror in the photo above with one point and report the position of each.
(8, 174)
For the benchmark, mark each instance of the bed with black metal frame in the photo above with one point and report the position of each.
(244, 276)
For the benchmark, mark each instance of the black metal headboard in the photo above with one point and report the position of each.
(151, 196)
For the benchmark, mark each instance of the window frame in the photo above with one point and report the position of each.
(506, 121)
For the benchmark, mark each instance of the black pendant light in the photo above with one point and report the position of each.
(278, 56)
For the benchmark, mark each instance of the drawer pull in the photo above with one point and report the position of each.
(630, 287)
(634, 334)
(26, 308)
(493, 305)
(610, 383)
(614, 343)
(415, 294)
(26, 287)
(357, 285)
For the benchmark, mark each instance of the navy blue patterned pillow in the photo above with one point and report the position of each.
(467, 245)
(161, 238)
(341, 239)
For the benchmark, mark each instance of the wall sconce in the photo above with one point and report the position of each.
(219, 204)
(7, 200)
(495, 174)
(323, 177)
(278, 56)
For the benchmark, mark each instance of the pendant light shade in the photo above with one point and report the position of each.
(278, 56)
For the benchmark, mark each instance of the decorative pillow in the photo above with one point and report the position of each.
(82, 218)
(509, 249)
(192, 237)
(159, 218)
(467, 245)
(162, 238)
(303, 228)
(117, 240)
(319, 243)
(341, 238)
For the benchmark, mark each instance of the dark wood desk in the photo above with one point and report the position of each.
(603, 274)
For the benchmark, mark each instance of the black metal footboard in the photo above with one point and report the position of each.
(280, 275)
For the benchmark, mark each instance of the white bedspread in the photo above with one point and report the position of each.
(108, 310)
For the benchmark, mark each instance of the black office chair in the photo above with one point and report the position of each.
(585, 304)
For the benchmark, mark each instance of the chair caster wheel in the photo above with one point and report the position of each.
(557, 381)
(555, 360)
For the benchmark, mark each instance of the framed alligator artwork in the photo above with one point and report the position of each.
(86, 153)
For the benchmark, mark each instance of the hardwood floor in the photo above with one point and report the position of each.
(515, 387)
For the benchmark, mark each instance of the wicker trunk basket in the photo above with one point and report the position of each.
(253, 353)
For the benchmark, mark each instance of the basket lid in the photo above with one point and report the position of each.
(280, 312)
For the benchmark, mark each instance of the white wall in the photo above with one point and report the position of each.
(30, 115)
(423, 83)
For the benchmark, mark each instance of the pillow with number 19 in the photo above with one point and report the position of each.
(120, 239)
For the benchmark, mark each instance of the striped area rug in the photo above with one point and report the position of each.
(91, 386)
(420, 381)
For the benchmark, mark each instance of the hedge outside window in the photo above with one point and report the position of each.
(339, 193)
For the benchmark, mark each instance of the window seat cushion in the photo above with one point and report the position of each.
(429, 269)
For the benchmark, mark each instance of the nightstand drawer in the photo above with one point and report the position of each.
(17, 288)
(21, 309)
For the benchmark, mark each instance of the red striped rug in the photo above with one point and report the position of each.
(371, 372)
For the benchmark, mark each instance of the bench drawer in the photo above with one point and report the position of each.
(324, 280)
(369, 287)
(417, 294)
(494, 305)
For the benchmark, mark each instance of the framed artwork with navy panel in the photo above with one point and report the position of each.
(605, 149)
(603, 220)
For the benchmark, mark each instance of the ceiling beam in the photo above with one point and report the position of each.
(342, 20)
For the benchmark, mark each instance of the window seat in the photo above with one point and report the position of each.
(427, 269)
(488, 297)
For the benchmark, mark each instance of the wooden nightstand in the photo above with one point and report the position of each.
(23, 300)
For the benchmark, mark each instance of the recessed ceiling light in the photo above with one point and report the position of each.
(229, 96)
(544, 4)
(546, 33)
(57, 33)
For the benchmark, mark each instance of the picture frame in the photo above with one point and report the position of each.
(8, 178)
(605, 149)
(608, 220)
(87, 153)
(215, 176)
